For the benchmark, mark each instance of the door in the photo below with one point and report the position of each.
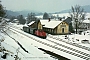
(62, 30)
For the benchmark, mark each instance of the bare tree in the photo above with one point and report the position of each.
(21, 19)
(31, 17)
(78, 15)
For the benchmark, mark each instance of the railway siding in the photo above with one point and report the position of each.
(78, 55)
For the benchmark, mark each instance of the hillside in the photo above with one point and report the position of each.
(11, 13)
(25, 12)
(86, 9)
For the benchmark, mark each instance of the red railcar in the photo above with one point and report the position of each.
(40, 33)
(34, 31)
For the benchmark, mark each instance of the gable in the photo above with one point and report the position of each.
(63, 24)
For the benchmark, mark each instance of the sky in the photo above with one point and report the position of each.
(42, 5)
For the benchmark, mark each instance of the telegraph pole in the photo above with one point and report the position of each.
(76, 20)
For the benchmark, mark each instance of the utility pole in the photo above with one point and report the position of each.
(76, 20)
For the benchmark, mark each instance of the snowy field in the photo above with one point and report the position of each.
(72, 38)
(13, 48)
(64, 15)
(31, 45)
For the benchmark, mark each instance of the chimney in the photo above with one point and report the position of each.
(48, 19)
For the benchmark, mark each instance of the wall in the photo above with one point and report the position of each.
(62, 26)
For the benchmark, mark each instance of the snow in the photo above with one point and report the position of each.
(2, 22)
(86, 32)
(68, 45)
(44, 21)
(32, 44)
(26, 42)
(59, 15)
(87, 15)
(31, 23)
(86, 21)
(48, 24)
(12, 46)
(62, 15)
(40, 16)
(25, 25)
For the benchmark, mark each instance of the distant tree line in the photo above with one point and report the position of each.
(31, 17)
(22, 20)
(2, 10)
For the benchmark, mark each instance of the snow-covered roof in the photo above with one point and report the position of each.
(15, 19)
(87, 15)
(86, 21)
(50, 24)
(31, 23)
(44, 22)
(25, 25)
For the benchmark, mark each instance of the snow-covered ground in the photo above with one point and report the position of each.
(32, 46)
(31, 51)
(26, 42)
(64, 15)
(13, 48)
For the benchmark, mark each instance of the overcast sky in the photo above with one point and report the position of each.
(42, 5)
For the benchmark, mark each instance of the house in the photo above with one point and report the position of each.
(51, 26)
(15, 21)
(84, 26)
(35, 24)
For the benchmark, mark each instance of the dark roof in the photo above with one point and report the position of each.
(37, 21)
(68, 20)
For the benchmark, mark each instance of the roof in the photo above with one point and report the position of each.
(50, 24)
(87, 15)
(31, 23)
(25, 25)
(44, 22)
(68, 20)
(86, 21)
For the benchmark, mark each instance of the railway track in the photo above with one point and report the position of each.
(84, 55)
(74, 44)
(69, 48)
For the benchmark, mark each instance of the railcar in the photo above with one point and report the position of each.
(37, 32)
(40, 33)
(26, 29)
(32, 30)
